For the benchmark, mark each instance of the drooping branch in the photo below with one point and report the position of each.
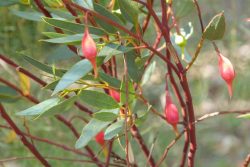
(59, 117)
(24, 140)
(140, 141)
(247, 161)
(38, 80)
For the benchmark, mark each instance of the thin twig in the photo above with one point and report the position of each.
(247, 161)
(39, 81)
(31, 147)
(136, 134)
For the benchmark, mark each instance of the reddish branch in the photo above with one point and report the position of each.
(59, 117)
(71, 10)
(64, 147)
(31, 147)
(53, 158)
(247, 161)
(136, 134)
(109, 21)
(38, 80)
(170, 145)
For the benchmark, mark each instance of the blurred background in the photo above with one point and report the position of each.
(223, 141)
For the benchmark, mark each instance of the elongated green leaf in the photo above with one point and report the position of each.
(98, 99)
(113, 49)
(61, 53)
(58, 12)
(39, 108)
(85, 3)
(89, 131)
(54, 34)
(61, 107)
(8, 94)
(107, 115)
(33, 16)
(8, 2)
(113, 129)
(148, 73)
(76, 72)
(103, 11)
(133, 70)
(114, 82)
(130, 10)
(69, 39)
(72, 27)
(247, 116)
(216, 28)
(183, 8)
(131, 92)
(43, 67)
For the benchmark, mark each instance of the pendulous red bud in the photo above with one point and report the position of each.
(99, 138)
(115, 95)
(227, 72)
(171, 113)
(89, 50)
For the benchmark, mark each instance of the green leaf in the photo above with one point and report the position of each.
(8, 94)
(72, 27)
(39, 108)
(43, 67)
(216, 28)
(89, 131)
(133, 70)
(247, 116)
(112, 49)
(142, 116)
(33, 16)
(8, 2)
(52, 85)
(148, 73)
(103, 11)
(54, 34)
(130, 10)
(58, 12)
(60, 53)
(113, 129)
(61, 107)
(85, 3)
(131, 92)
(76, 72)
(106, 115)
(183, 8)
(98, 99)
(69, 39)
(114, 82)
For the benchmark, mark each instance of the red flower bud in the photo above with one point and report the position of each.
(227, 72)
(99, 138)
(89, 49)
(171, 113)
(115, 95)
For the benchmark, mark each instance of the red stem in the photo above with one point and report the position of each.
(247, 161)
(135, 132)
(71, 11)
(59, 117)
(39, 81)
(31, 147)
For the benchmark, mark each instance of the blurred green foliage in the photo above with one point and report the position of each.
(223, 141)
